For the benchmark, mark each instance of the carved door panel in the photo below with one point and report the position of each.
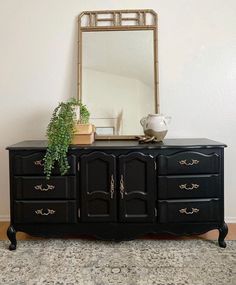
(137, 182)
(98, 184)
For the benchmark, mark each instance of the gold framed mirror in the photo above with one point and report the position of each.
(118, 70)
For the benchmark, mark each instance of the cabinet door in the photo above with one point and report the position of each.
(98, 187)
(137, 184)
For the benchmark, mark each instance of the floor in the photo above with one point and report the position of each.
(212, 235)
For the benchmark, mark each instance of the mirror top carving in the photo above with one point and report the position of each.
(117, 20)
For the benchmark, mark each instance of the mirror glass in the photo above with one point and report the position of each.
(118, 79)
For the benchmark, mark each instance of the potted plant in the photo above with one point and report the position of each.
(82, 126)
(60, 132)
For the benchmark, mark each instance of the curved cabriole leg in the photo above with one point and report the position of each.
(11, 233)
(223, 231)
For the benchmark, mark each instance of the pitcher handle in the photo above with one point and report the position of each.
(167, 119)
(143, 121)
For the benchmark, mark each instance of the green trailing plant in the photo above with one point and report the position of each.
(84, 114)
(60, 132)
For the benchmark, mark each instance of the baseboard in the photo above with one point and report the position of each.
(230, 220)
(4, 218)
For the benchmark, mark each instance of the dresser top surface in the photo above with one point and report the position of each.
(126, 144)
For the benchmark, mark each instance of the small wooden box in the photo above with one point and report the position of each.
(84, 129)
(83, 139)
(84, 134)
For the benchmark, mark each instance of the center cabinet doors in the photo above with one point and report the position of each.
(127, 195)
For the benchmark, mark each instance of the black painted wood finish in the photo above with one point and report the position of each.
(137, 183)
(118, 190)
(97, 180)
(32, 164)
(38, 187)
(188, 186)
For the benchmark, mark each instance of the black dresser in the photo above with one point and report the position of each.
(119, 190)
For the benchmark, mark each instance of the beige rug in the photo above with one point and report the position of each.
(139, 262)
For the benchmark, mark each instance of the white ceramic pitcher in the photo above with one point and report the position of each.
(155, 125)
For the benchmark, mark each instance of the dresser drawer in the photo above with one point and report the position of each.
(186, 186)
(188, 162)
(28, 187)
(45, 212)
(204, 210)
(33, 164)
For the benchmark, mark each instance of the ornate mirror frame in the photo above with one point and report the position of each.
(119, 20)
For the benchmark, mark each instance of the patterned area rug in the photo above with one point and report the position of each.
(139, 262)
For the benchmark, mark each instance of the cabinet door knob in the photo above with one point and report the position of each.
(41, 213)
(42, 189)
(122, 188)
(39, 162)
(112, 186)
(185, 211)
(192, 187)
(192, 162)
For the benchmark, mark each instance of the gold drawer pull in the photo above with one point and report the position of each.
(122, 188)
(112, 187)
(39, 162)
(49, 212)
(40, 187)
(184, 162)
(185, 187)
(184, 211)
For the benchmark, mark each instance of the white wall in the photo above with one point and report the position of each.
(197, 57)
